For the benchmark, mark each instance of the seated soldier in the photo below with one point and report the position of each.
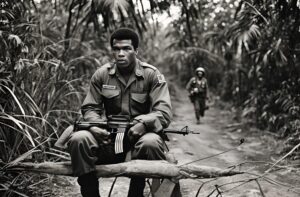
(129, 87)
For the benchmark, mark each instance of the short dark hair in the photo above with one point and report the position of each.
(123, 34)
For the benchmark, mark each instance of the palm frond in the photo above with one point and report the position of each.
(116, 4)
(209, 55)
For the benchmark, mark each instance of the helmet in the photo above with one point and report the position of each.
(200, 69)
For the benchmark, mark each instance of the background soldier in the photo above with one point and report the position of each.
(125, 87)
(198, 92)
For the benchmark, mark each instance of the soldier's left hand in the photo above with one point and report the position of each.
(136, 131)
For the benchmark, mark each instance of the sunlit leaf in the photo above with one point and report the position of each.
(278, 44)
(15, 38)
(282, 56)
(266, 56)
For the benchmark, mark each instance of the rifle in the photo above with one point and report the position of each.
(113, 122)
(119, 121)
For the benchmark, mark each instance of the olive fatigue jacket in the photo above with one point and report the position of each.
(200, 85)
(145, 97)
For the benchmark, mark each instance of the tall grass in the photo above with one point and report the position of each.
(40, 92)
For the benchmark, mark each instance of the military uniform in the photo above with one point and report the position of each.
(198, 89)
(145, 97)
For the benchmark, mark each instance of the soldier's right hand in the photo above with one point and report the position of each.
(101, 135)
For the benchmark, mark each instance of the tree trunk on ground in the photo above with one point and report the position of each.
(143, 168)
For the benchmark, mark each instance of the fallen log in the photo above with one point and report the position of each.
(142, 168)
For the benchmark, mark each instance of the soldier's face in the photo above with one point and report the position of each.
(124, 53)
(200, 74)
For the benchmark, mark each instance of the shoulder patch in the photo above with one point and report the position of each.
(107, 65)
(161, 78)
(103, 69)
(148, 66)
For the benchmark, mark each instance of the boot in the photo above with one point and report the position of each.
(89, 185)
(136, 187)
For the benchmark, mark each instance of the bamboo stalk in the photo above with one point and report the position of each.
(142, 168)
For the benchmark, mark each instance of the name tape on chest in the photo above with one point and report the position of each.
(109, 87)
(161, 78)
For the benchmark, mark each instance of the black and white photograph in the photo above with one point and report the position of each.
(149, 98)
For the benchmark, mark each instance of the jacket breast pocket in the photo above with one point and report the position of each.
(140, 103)
(112, 101)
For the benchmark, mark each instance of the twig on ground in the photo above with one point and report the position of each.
(282, 158)
(274, 182)
(260, 189)
(218, 190)
(194, 161)
(201, 186)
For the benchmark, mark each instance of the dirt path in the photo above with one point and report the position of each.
(214, 138)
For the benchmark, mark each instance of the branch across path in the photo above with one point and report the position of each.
(143, 168)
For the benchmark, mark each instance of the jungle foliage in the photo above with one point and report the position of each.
(251, 51)
(49, 49)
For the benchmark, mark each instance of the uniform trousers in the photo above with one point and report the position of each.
(199, 106)
(86, 152)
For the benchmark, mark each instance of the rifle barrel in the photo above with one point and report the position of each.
(183, 131)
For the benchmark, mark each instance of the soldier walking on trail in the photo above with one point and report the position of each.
(198, 92)
(129, 87)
